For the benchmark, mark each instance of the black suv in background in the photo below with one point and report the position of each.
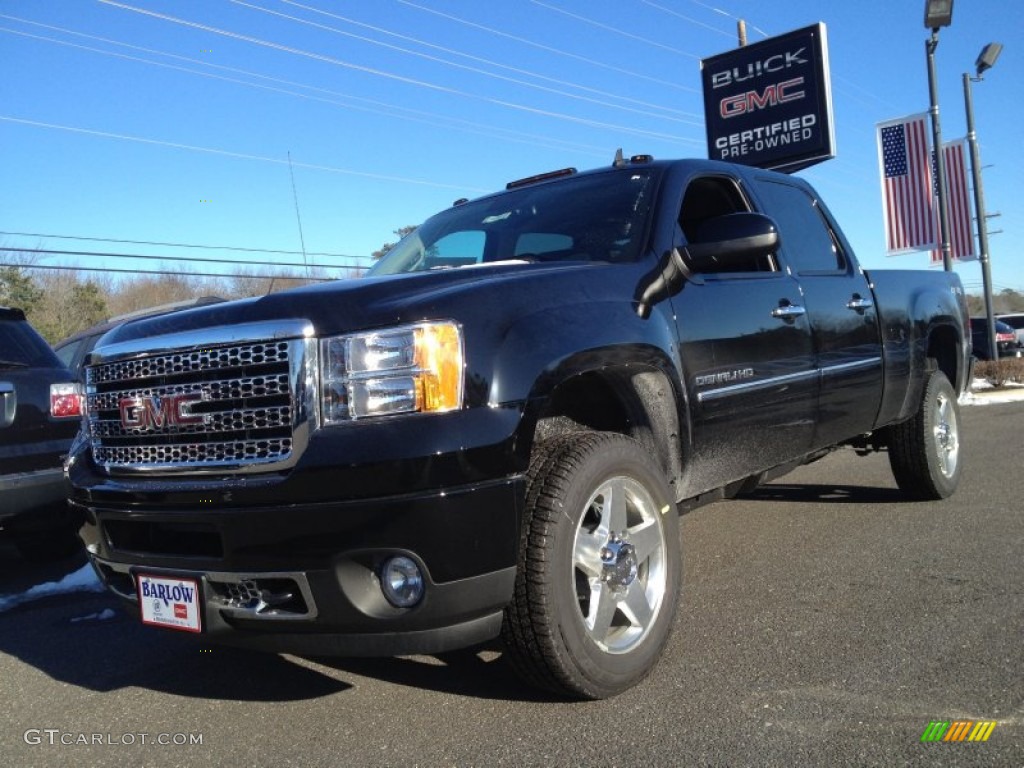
(40, 414)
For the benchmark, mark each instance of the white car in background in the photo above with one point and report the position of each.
(1016, 321)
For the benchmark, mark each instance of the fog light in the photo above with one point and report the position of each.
(401, 581)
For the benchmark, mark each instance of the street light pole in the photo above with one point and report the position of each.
(940, 160)
(988, 57)
(938, 13)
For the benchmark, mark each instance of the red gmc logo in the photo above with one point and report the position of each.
(152, 412)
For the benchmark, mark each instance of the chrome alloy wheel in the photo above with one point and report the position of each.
(619, 565)
(946, 434)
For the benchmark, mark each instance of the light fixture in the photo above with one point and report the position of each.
(938, 13)
(401, 581)
(987, 57)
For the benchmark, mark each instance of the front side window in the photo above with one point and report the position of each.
(711, 197)
(592, 217)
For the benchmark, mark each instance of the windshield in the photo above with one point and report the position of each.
(599, 217)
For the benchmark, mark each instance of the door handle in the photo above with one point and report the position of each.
(859, 304)
(8, 404)
(788, 311)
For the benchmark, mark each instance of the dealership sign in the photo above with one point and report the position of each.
(770, 104)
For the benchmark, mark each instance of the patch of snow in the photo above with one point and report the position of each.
(82, 580)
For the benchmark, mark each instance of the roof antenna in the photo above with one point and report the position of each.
(619, 160)
(295, 195)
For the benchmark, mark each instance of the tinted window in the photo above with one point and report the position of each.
(808, 243)
(1015, 321)
(533, 243)
(709, 198)
(67, 353)
(21, 345)
(457, 249)
(590, 217)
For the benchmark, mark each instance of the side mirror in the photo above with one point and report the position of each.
(721, 244)
(729, 241)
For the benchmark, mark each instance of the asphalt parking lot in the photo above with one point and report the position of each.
(823, 621)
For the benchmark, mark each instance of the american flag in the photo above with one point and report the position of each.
(958, 204)
(907, 197)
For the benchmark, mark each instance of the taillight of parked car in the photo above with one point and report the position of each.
(65, 401)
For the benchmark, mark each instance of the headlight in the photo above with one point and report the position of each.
(411, 369)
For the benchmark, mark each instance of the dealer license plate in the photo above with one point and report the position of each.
(169, 601)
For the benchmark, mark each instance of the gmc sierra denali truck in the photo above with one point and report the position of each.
(493, 432)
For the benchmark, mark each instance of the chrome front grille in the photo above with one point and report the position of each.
(173, 404)
(197, 360)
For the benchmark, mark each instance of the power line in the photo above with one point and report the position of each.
(177, 245)
(401, 78)
(195, 259)
(686, 18)
(480, 59)
(228, 153)
(616, 30)
(387, 109)
(729, 15)
(549, 48)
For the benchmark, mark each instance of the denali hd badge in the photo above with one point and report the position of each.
(152, 412)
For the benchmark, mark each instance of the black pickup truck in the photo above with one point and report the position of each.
(493, 432)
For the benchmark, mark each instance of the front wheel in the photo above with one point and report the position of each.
(925, 452)
(599, 567)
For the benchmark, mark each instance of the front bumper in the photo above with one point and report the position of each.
(303, 578)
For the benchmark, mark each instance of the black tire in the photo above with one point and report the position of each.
(599, 567)
(925, 452)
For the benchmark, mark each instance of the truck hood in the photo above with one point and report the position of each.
(356, 304)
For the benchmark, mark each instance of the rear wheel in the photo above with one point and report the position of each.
(925, 452)
(599, 567)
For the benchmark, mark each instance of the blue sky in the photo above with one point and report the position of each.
(173, 120)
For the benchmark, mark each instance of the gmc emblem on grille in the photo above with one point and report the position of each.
(152, 412)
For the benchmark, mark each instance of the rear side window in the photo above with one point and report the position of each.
(20, 346)
(533, 243)
(808, 243)
(459, 249)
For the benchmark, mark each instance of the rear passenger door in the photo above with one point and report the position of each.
(840, 306)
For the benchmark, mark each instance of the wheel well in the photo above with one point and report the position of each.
(944, 347)
(637, 403)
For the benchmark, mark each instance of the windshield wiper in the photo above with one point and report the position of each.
(12, 364)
